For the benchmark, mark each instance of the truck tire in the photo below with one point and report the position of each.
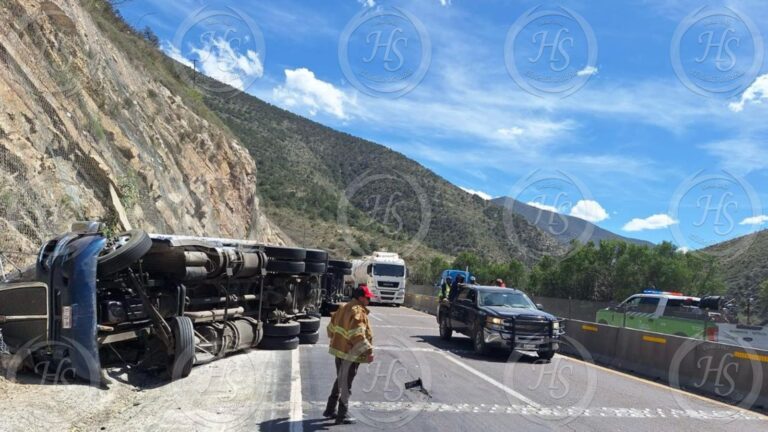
(122, 257)
(279, 343)
(445, 328)
(340, 271)
(546, 354)
(290, 267)
(309, 338)
(289, 329)
(285, 253)
(340, 264)
(180, 364)
(478, 341)
(316, 255)
(314, 267)
(309, 325)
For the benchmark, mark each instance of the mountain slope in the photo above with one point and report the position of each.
(93, 124)
(742, 263)
(563, 227)
(307, 170)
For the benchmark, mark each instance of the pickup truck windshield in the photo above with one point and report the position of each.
(393, 270)
(511, 299)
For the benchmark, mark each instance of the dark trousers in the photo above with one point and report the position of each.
(342, 387)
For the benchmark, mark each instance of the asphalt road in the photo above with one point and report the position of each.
(286, 391)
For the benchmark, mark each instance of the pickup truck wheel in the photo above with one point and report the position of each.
(279, 343)
(479, 342)
(289, 329)
(309, 325)
(545, 354)
(445, 328)
(180, 364)
(309, 338)
(289, 267)
(134, 245)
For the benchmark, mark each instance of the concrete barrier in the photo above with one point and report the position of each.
(736, 374)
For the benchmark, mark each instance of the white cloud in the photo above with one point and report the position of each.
(481, 194)
(445, 2)
(589, 210)
(367, 3)
(217, 59)
(739, 155)
(303, 89)
(755, 93)
(654, 222)
(683, 249)
(511, 132)
(543, 206)
(754, 220)
(587, 71)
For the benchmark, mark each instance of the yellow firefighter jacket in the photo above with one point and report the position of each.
(350, 333)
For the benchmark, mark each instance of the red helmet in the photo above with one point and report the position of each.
(362, 290)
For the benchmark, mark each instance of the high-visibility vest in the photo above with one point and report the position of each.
(447, 289)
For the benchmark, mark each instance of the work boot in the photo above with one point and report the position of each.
(330, 413)
(345, 419)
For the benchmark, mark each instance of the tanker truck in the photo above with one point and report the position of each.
(384, 273)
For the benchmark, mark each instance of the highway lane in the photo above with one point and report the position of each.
(494, 393)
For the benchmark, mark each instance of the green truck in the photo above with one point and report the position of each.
(664, 312)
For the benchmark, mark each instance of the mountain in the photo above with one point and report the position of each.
(742, 263)
(96, 124)
(308, 172)
(562, 227)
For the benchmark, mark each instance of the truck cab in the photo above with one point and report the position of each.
(385, 274)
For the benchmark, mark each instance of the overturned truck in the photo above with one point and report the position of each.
(161, 301)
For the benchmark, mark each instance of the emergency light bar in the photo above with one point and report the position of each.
(651, 291)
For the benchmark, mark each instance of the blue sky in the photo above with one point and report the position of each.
(657, 131)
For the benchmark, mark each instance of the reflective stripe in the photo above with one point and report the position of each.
(346, 334)
(363, 358)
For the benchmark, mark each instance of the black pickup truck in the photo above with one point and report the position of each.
(500, 317)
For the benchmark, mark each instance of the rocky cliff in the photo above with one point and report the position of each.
(90, 132)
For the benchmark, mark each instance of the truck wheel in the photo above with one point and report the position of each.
(445, 328)
(309, 325)
(316, 255)
(290, 267)
(137, 244)
(285, 253)
(546, 354)
(314, 267)
(279, 343)
(180, 364)
(309, 338)
(289, 329)
(340, 264)
(478, 341)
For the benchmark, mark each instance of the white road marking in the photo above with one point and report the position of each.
(491, 381)
(555, 413)
(375, 317)
(403, 327)
(296, 405)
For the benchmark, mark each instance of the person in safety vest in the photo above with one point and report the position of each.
(351, 343)
(445, 289)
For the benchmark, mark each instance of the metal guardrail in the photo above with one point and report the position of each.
(730, 372)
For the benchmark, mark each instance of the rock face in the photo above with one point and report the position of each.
(86, 134)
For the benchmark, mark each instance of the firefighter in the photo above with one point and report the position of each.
(351, 344)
